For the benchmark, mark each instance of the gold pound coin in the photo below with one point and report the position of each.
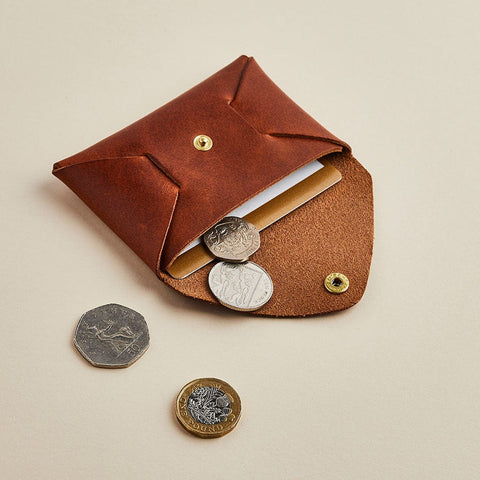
(208, 407)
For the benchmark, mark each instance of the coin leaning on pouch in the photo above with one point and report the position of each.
(235, 282)
(233, 239)
(240, 286)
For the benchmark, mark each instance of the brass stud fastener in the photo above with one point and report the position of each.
(203, 143)
(336, 283)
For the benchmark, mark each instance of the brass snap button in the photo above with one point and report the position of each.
(336, 283)
(202, 143)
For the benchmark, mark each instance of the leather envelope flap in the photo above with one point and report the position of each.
(158, 192)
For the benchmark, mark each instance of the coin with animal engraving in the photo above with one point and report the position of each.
(111, 336)
(208, 407)
(240, 286)
(232, 239)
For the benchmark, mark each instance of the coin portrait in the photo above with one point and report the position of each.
(208, 407)
(240, 286)
(111, 336)
(232, 239)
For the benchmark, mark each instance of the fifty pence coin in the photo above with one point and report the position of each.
(240, 286)
(208, 407)
(233, 239)
(111, 336)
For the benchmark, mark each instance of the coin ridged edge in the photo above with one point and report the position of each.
(236, 406)
(237, 309)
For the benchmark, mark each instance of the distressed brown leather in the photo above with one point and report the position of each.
(158, 193)
(333, 232)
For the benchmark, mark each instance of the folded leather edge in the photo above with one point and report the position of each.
(271, 90)
(147, 207)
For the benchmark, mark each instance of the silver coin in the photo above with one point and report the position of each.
(208, 405)
(233, 239)
(112, 336)
(240, 286)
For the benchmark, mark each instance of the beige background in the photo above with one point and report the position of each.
(386, 390)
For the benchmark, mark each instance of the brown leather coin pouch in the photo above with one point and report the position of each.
(159, 193)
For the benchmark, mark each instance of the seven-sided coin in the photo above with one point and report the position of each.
(111, 336)
(208, 407)
(233, 239)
